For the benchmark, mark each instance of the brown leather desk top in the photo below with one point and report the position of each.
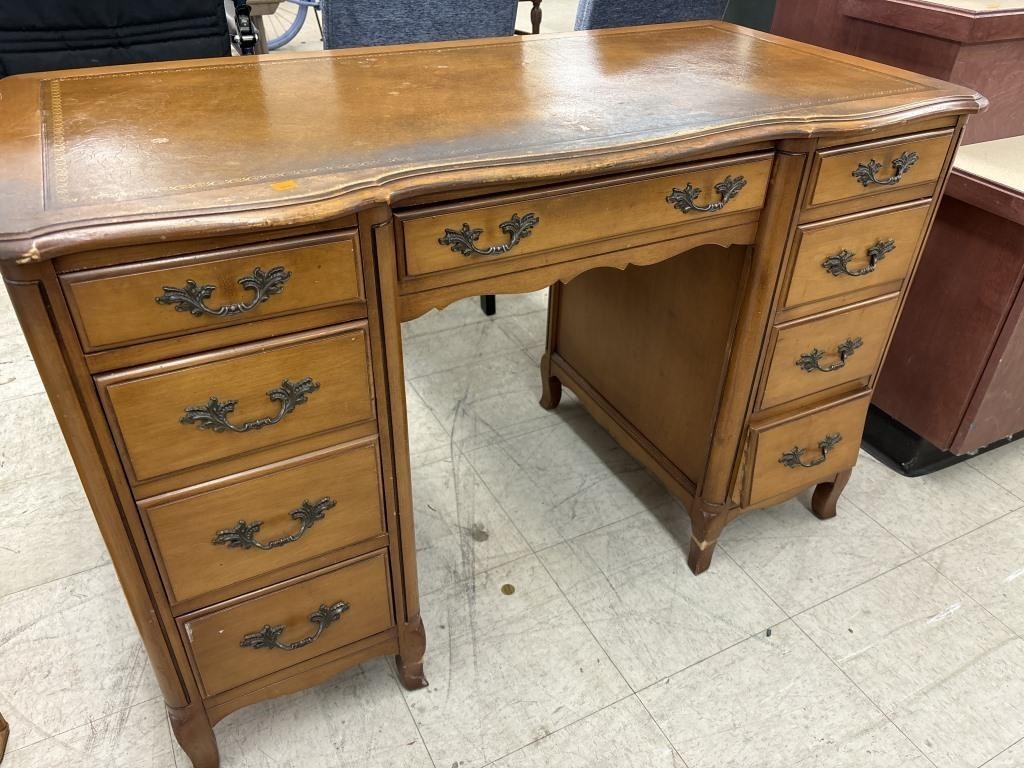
(85, 149)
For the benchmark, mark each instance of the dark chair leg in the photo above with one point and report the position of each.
(488, 304)
(535, 16)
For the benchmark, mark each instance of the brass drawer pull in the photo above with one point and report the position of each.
(685, 199)
(865, 172)
(192, 298)
(839, 264)
(243, 535)
(214, 415)
(464, 240)
(811, 361)
(794, 458)
(268, 637)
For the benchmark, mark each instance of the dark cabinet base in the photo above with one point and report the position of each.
(902, 449)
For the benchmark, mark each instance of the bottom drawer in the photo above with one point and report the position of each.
(801, 451)
(249, 639)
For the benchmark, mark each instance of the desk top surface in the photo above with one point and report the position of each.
(123, 154)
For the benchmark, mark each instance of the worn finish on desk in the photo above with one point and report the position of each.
(673, 183)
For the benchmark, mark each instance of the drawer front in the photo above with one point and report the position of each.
(209, 407)
(461, 237)
(271, 519)
(265, 634)
(803, 451)
(173, 297)
(814, 355)
(869, 170)
(834, 258)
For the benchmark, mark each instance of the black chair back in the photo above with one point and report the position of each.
(39, 35)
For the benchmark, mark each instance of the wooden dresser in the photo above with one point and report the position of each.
(211, 263)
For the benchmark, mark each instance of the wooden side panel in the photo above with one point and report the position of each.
(998, 409)
(968, 275)
(653, 341)
(34, 293)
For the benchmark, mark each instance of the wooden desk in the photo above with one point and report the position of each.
(212, 261)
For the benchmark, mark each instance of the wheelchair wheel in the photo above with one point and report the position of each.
(284, 24)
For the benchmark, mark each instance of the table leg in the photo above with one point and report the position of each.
(194, 733)
(826, 495)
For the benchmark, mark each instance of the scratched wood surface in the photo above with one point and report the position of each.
(254, 140)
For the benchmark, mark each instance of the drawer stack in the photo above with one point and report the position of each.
(255, 466)
(863, 219)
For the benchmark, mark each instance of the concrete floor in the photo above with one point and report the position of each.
(897, 629)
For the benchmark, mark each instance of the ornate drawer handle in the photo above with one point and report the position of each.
(214, 415)
(192, 298)
(865, 172)
(811, 361)
(794, 458)
(839, 264)
(685, 199)
(464, 240)
(243, 535)
(267, 637)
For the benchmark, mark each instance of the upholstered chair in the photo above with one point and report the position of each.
(598, 14)
(348, 24)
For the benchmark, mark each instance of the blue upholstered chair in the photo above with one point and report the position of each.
(599, 14)
(351, 23)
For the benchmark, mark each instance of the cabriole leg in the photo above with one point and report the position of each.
(194, 733)
(551, 387)
(826, 495)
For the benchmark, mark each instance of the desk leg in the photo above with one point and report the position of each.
(551, 387)
(826, 495)
(410, 663)
(194, 733)
(707, 522)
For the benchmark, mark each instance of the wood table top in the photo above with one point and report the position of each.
(118, 155)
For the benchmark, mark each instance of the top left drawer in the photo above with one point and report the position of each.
(117, 306)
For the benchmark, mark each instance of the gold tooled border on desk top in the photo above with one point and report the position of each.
(57, 175)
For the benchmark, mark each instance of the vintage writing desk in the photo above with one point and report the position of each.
(211, 263)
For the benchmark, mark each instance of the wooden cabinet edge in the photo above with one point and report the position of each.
(37, 302)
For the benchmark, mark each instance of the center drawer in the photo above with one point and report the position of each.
(195, 410)
(246, 527)
(276, 630)
(461, 236)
